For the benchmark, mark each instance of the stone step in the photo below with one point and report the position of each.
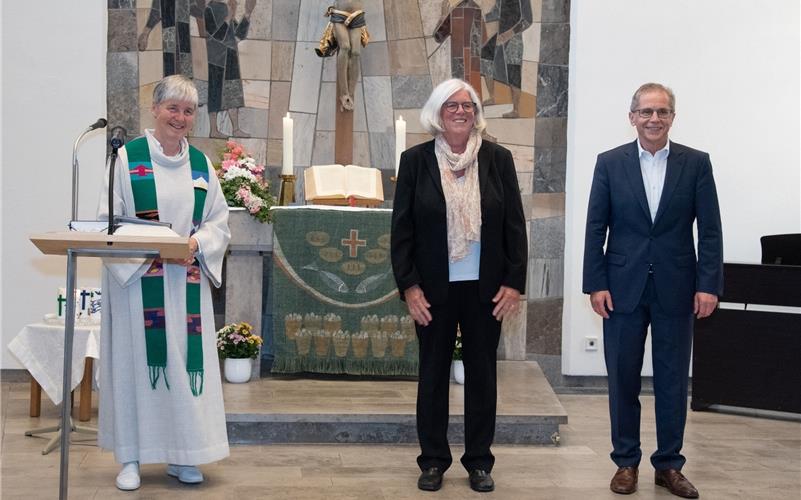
(313, 410)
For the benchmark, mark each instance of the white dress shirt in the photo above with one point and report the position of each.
(653, 169)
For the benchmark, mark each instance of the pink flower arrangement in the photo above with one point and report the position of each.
(243, 182)
(252, 202)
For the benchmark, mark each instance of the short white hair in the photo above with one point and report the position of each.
(177, 88)
(431, 114)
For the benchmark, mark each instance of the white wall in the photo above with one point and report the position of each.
(2, 79)
(53, 86)
(734, 66)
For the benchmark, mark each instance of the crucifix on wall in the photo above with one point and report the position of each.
(345, 36)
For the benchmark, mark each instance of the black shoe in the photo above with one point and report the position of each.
(480, 480)
(430, 479)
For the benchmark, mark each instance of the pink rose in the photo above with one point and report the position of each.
(226, 164)
(231, 145)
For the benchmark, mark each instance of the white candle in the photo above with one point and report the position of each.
(400, 141)
(287, 167)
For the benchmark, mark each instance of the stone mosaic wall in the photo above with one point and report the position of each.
(256, 65)
(547, 201)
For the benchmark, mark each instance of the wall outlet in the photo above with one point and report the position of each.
(590, 343)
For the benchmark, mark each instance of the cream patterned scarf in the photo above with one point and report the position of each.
(462, 199)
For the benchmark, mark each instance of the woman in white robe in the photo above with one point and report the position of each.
(165, 422)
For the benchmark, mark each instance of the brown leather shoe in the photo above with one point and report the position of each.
(624, 481)
(676, 483)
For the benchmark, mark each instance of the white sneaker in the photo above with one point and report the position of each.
(188, 474)
(128, 478)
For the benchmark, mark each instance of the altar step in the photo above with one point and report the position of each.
(324, 410)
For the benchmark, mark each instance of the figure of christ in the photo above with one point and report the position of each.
(347, 18)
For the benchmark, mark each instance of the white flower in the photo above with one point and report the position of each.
(237, 171)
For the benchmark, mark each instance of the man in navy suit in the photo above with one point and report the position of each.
(645, 197)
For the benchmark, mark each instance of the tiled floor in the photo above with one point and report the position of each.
(729, 457)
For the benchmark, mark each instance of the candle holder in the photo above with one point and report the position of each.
(287, 194)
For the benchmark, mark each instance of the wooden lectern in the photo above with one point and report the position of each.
(75, 244)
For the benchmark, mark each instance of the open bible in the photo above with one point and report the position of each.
(335, 184)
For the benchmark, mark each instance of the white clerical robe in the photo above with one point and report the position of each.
(136, 421)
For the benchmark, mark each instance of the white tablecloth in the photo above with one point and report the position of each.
(40, 349)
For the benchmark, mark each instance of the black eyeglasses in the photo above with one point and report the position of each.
(453, 106)
(647, 112)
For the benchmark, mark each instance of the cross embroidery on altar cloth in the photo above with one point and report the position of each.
(354, 243)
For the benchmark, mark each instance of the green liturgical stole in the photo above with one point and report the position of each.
(143, 184)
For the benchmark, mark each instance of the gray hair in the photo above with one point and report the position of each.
(651, 87)
(430, 116)
(175, 87)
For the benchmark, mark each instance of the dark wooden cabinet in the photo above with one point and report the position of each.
(751, 358)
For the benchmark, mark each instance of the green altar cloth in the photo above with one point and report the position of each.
(336, 306)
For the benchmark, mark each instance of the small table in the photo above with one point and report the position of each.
(40, 349)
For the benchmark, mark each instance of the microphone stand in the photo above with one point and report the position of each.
(98, 124)
(113, 160)
(116, 142)
(75, 174)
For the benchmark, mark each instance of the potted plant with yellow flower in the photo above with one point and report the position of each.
(238, 346)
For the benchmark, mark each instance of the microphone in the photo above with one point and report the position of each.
(100, 123)
(117, 137)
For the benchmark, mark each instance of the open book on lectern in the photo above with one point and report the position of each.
(334, 184)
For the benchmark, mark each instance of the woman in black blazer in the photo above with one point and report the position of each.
(459, 253)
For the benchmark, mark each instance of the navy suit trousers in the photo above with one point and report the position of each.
(624, 347)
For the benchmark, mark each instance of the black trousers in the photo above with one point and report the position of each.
(480, 335)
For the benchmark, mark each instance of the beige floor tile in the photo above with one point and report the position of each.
(729, 457)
